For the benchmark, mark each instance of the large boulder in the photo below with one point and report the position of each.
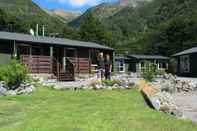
(166, 104)
(161, 101)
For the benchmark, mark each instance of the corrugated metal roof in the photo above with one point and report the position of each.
(50, 40)
(189, 51)
(149, 57)
(121, 57)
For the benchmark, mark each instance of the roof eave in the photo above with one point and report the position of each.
(36, 40)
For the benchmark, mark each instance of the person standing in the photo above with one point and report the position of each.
(108, 67)
(101, 66)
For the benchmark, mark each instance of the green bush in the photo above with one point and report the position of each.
(161, 72)
(149, 71)
(13, 74)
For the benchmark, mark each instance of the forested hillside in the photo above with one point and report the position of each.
(101, 12)
(21, 15)
(157, 27)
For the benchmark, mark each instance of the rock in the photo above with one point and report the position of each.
(155, 103)
(11, 93)
(169, 77)
(161, 101)
(3, 91)
(2, 84)
(20, 92)
(165, 103)
(129, 87)
(22, 86)
(29, 89)
(98, 86)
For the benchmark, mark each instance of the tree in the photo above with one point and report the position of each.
(71, 33)
(3, 17)
(91, 29)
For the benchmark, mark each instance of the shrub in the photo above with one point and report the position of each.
(13, 74)
(149, 71)
(161, 72)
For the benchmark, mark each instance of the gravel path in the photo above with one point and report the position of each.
(187, 102)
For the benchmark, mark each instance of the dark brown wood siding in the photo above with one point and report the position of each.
(82, 65)
(37, 64)
(193, 66)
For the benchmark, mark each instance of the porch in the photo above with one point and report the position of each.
(63, 63)
(161, 65)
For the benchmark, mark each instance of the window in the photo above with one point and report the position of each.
(121, 66)
(162, 65)
(185, 64)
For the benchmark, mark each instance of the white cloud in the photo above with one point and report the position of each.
(79, 3)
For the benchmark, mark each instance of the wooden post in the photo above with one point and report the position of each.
(77, 60)
(140, 67)
(58, 71)
(90, 62)
(113, 62)
(51, 55)
(30, 58)
(64, 59)
(15, 50)
(51, 51)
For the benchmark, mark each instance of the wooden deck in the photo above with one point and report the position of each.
(46, 64)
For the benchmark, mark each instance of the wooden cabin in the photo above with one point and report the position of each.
(135, 63)
(122, 64)
(187, 62)
(62, 58)
(138, 62)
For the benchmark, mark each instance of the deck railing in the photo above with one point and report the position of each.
(46, 64)
(37, 64)
(81, 65)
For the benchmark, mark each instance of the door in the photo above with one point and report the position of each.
(71, 54)
(23, 50)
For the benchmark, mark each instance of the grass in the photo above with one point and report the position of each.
(50, 110)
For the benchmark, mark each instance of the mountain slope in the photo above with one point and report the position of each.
(66, 16)
(24, 14)
(101, 12)
(150, 26)
(106, 10)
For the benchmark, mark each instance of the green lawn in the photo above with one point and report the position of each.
(50, 110)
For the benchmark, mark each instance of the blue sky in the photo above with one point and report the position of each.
(70, 5)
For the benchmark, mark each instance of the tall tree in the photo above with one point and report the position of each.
(3, 17)
(92, 29)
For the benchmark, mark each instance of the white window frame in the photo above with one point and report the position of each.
(121, 65)
(185, 64)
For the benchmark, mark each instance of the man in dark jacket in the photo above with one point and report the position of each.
(101, 66)
(108, 67)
